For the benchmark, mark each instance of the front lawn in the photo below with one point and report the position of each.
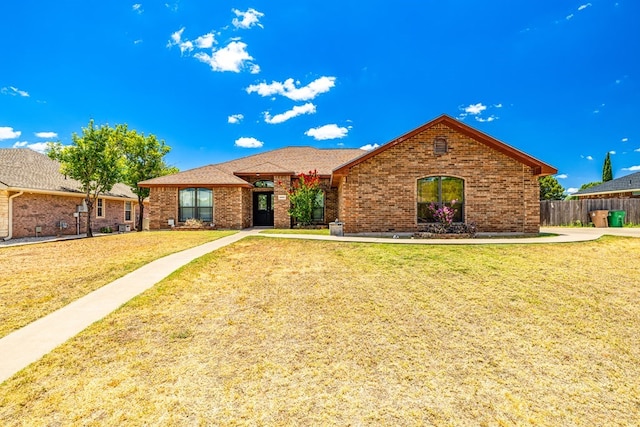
(40, 278)
(282, 332)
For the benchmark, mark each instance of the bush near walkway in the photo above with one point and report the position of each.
(280, 332)
(38, 279)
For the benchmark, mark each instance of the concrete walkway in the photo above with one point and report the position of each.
(30, 343)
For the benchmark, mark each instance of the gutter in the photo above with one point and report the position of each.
(11, 214)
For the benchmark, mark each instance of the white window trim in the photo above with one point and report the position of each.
(100, 201)
(131, 211)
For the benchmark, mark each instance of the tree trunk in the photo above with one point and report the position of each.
(141, 215)
(89, 214)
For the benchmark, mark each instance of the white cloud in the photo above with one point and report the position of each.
(586, 157)
(137, 41)
(230, 58)
(572, 190)
(624, 139)
(8, 133)
(254, 69)
(584, 6)
(637, 150)
(331, 131)
(488, 119)
(205, 41)
(570, 16)
(297, 110)
(632, 168)
(612, 152)
(498, 105)
(40, 147)
(176, 40)
(288, 88)
(46, 135)
(562, 176)
(369, 147)
(235, 118)
(13, 91)
(245, 142)
(475, 108)
(248, 19)
(137, 8)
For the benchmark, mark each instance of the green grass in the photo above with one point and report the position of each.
(282, 332)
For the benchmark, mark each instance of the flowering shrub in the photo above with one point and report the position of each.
(444, 215)
(304, 197)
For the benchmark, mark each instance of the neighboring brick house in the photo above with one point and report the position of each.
(385, 190)
(626, 187)
(36, 199)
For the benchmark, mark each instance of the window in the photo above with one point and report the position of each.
(100, 208)
(318, 213)
(196, 203)
(263, 184)
(441, 191)
(440, 145)
(127, 211)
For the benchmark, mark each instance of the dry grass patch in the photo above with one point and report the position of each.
(279, 332)
(40, 278)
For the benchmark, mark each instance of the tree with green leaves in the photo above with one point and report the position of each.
(550, 188)
(304, 197)
(143, 159)
(93, 159)
(607, 173)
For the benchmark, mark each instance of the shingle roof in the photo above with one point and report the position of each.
(619, 185)
(25, 169)
(284, 160)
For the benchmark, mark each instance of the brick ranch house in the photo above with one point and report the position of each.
(626, 187)
(37, 200)
(384, 190)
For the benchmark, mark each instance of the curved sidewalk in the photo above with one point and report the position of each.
(26, 345)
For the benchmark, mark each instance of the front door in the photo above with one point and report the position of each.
(262, 209)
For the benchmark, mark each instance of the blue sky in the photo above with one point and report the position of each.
(218, 80)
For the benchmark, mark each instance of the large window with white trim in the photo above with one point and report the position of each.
(196, 203)
(439, 191)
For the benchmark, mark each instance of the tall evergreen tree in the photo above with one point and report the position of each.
(607, 174)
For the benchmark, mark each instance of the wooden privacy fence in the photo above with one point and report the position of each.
(567, 212)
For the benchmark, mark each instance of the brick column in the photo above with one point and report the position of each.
(281, 203)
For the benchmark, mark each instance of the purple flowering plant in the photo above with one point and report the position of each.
(443, 214)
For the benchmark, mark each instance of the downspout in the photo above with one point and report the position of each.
(10, 235)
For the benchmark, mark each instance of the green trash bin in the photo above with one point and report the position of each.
(616, 218)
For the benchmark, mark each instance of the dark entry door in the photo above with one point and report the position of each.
(262, 209)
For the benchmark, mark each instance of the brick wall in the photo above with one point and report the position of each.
(228, 207)
(48, 211)
(281, 218)
(380, 194)
(163, 205)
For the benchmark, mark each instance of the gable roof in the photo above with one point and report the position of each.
(284, 161)
(540, 168)
(623, 184)
(22, 169)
